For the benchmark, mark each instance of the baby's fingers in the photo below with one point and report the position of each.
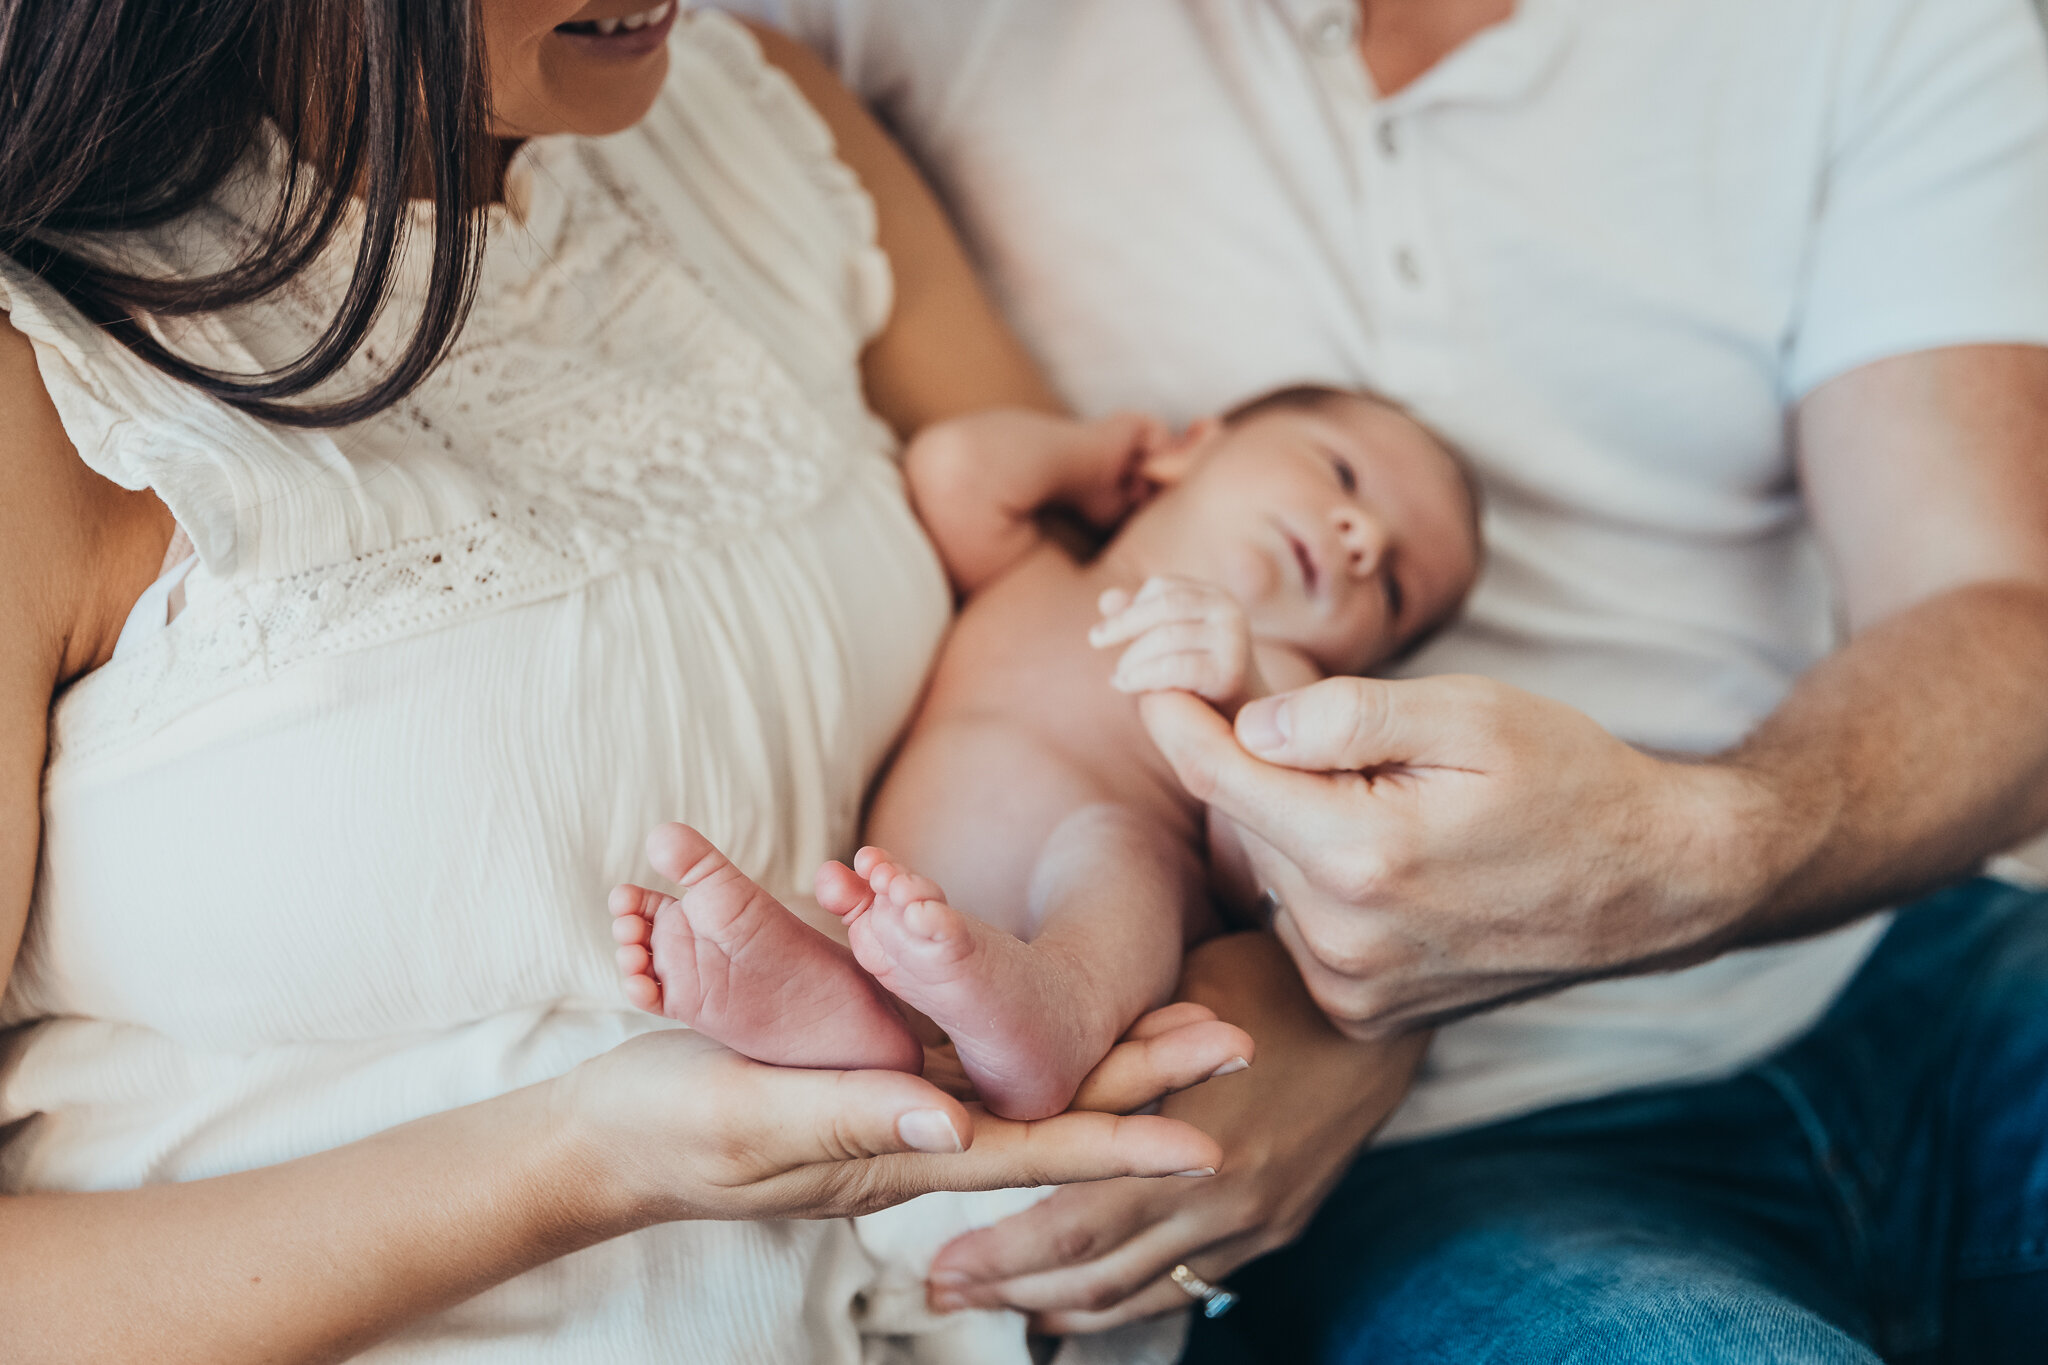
(1195, 671)
(1160, 601)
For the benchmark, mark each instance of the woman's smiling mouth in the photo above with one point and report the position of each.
(642, 30)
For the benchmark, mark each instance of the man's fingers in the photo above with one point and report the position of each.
(1142, 1071)
(1094, 1284)
(1352, 724)
(1167, 1018)
(1161, 1296)
(1073, 1225)
(1290, 810)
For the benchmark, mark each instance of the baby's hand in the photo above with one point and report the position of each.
(1184, 635)
(1105, 480)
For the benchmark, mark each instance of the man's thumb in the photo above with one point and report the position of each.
(1341, 725)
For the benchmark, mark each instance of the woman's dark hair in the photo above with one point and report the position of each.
(117, 115)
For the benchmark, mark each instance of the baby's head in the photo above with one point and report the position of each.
(1339, 522)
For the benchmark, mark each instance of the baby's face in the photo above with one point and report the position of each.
(1345, 529)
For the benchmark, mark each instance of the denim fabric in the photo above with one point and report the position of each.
(1876, 1191)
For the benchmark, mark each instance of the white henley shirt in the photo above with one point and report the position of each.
(1604, 247)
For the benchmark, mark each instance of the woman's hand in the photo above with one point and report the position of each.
(672, 1125)
(1442, 845)
(1090, 1258)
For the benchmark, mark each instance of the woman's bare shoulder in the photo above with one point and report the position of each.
(75, 548)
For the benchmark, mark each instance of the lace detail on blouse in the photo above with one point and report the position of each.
(599, 409)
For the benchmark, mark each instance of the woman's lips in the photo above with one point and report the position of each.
(623, 35)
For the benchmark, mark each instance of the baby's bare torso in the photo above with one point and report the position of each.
(1019, 728)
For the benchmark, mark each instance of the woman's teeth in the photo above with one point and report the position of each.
(605, 28)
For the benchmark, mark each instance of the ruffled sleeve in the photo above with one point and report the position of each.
(128, 422)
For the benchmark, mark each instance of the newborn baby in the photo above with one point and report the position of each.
(1309, 532)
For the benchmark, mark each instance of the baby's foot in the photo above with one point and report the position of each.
(728, 960)
(1022, 1017)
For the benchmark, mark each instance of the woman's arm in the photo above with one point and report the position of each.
(945, 350)
(225, 1269)
(315, 1259)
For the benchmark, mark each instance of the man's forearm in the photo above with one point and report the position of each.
(1898, 764)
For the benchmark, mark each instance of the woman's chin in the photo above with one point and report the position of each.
(572, 90)
(587, 103)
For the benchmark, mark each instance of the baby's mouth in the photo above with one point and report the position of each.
(1305, 560)
(625, 23)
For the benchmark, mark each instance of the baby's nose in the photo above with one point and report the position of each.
(1363, 538)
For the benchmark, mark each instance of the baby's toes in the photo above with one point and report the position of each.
(906, 889)
(642, 991)
(840, 891)
(634, 959)
(869, 859)
(627, 899)
(930, 918)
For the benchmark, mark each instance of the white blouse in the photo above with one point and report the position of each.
(330, 851)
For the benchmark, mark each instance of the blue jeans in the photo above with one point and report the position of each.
(1878, 1190)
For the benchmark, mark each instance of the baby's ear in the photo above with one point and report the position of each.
(1169, 460)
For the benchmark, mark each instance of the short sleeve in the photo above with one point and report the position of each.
(129, 423)
(1933, 218)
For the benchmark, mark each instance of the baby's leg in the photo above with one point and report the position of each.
(728, 960)
(1110, 896)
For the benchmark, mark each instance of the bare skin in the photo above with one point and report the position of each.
(1290, 543)
(319, 1258)
(726, 958)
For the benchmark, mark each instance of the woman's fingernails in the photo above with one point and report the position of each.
(1198, 1171)
(929, 1130)
(1265, 725)
(946, 1303)
(1234, 1064)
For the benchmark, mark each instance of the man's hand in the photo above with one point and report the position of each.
(1183, 635)
(1094, 1256)
(1442, 845)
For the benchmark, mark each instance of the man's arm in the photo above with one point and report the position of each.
(1921, 748)
(1443, 845)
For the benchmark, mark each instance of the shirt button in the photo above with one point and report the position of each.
(1390, 141)
(1407, 267)
(1331, 33)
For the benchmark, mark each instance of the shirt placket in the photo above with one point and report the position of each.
(1395, 260)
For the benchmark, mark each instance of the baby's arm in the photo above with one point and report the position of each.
(978, 482)
(1193, 637)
